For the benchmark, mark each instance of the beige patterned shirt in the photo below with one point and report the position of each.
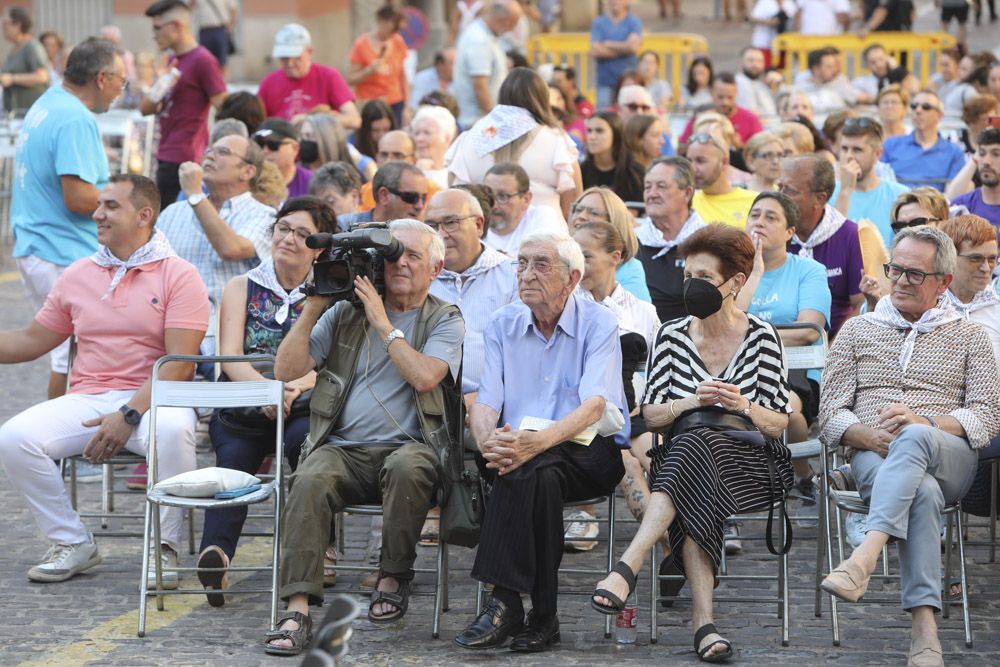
(952, 372)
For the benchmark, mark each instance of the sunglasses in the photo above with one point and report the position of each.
(635, 106)
(408, 196)
(926, 106)
(271, 144)
(705, 138)
(915, 222)
(864, 124)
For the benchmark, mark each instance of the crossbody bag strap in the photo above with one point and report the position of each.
(786, 545)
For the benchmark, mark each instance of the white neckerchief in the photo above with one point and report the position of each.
(500, 127)
(831, 223)
(650, 236)
(157, 248)
(987, 297)
(263, 274)
(488, 259)
(886, 315)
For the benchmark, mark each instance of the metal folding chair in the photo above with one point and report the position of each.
(175, 394)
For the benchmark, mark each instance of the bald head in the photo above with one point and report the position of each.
(396, 145)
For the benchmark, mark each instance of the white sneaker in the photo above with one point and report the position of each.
(168, 568)
(63, 561)
(731, 537)
(88, 473)
(581, 532)
(856, 525)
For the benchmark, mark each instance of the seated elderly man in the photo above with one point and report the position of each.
(911, 390)
(553, 369)
(128, 304)
(384, 373)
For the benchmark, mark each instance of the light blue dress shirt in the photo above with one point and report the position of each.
(526, 375)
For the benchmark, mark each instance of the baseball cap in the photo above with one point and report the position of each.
(276, 128)
(291, 41)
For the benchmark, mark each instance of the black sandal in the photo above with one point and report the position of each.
(704, 631)
(299, 637)
(400, 599)
(669, 588)
(617, 604)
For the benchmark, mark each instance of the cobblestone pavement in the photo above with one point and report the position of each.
(92, 618)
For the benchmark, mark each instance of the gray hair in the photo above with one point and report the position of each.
(340, 175)
(439, 115)
(88, 59)
(683, 172)
(435, 250)
(945, 255)
(822, 177)
(228, 127)
(567, 249)
(390, 173)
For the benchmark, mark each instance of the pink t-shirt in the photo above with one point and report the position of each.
(184, 117)
(287, 98)
(118, 339)
(744, 122)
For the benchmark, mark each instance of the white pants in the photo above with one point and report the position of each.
(38, 276)
(51, 430)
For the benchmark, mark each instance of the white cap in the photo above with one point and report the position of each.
(291, 41)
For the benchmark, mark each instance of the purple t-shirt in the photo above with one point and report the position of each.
(184, 117)
(841, 255)
(974, 202)
(299, 185)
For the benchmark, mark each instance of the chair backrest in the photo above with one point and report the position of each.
(175, 394)
(805, 357)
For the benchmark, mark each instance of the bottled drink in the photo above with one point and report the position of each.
(627, 619)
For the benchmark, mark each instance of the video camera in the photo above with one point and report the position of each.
(362, 251)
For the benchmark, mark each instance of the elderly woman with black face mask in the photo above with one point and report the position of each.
(716, 387)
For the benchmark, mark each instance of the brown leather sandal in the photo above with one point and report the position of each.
(299, 637)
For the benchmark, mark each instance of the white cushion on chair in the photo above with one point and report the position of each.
(205, 482)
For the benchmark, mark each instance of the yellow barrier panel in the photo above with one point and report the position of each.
(676, 50)
(921, 49)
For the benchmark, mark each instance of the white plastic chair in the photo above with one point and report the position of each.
(175, 394)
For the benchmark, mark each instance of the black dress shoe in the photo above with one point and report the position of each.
(540, 635)
(492, 627)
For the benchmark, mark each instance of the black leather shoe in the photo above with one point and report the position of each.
(540, 635)
(492, 627)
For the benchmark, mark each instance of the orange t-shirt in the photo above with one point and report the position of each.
(368, 199)
(387, 81)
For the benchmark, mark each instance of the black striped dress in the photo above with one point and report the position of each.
(711, 476)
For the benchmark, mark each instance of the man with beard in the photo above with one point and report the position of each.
(724, 93)
(985, 201)
(513, 217)
(751, 91)
(716, 200)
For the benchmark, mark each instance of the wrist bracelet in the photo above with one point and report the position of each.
(671, 406)
(931, 421)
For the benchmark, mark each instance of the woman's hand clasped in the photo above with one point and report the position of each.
(715, 392)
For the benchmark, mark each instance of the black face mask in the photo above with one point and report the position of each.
(308, 151)
(701, 298)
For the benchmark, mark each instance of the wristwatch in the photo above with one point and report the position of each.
(132, 416)
(746, 411)
(393, 335)
(194, 200)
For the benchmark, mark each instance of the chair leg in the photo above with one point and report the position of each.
(994, 473)
(276, 554)
(783, 589)
(611, 553)
(158, 547)
(439, 584)
(105, 494)
(72, 482)
(834, 617)
(965, 586)
(143, 587)
(821, 540)
(653, 591)
(946, 607)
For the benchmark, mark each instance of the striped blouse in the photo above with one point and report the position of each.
(674, 369)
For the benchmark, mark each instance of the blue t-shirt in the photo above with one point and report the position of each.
(915, 166)
(632, 277)
(59, 138)
(974, 202)
(875, 205)
(604, 29)
(798, 284)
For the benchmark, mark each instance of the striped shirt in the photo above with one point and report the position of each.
(244, 214)
(674, 369)
(952, 372)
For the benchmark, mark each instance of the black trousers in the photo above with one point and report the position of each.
(521, 544)
(168, 182)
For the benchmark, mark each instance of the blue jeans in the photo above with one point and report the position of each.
(246, 453)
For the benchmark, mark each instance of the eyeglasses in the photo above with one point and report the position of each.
(161, 26)
(977, 260)
(768, 156)
(393, 155)
(504, 197)
(271, 144)
(590, 212)
(635, 106)
(926, 106)
(864, 124)
(123, 77)
(409, 196)
(705, 138)
(914, 277)
(540, 266)
(282, 229)
(898, 225)
(449, 224)
(224, 152)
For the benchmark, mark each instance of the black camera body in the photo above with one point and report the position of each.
(362, 251)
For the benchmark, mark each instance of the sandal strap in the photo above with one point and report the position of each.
(394, 598)
(702, 632)
(626, 573)
(616, 602)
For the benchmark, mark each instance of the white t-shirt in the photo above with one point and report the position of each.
(763, 35)
(536, 219)
(819, 17)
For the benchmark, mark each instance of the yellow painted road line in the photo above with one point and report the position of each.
(110, 635)
(9, 276)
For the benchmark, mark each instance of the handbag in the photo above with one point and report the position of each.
(252, 420)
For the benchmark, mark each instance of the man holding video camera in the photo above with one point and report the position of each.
(388, 368)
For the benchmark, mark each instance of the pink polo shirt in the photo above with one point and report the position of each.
(118, 339)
